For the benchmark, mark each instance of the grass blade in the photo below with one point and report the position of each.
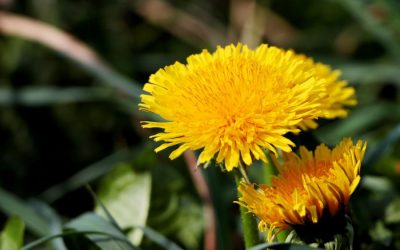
(86, 175)
(12, 205)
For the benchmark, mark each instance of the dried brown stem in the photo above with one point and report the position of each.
(179, 23)
(275, 28)
(49, 36)
(251, 22)
(68, 46)
(242, 21)
(204, 193)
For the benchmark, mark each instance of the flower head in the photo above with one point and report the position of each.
(236, 102)
(311, 191)
(338, 96)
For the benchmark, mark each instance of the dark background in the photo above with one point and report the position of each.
(57, 117)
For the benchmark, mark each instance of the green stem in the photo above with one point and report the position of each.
(249, 224)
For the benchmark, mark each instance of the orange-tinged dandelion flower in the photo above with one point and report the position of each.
(237, 101)
(311, 193)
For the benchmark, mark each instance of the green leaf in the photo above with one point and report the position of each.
(360, 120)
(11, 237)
(126, 195)
(150, 233)
(49, 96)
(12, 205)
(373, 155)
(183, 218)
(359, 73)
(378, 184)
(174, 211)
(159, 239)
(392, 213)
(52, 218)
(112, 238)
(80, 244)
(190, 222)
(381, 234)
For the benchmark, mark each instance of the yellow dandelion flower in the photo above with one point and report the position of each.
(237, 101)
(311, 192)
(339, 95)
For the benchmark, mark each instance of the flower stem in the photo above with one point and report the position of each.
(249, 224)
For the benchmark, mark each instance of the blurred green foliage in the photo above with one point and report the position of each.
(12, 235)
(64, 125)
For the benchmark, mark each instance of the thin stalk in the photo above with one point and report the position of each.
(249, 224)
(243, 172)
